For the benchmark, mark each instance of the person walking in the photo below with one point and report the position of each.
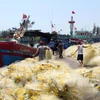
(56, 43)
(80, 53)
(51, 45)
(60, 49)
(41, 51)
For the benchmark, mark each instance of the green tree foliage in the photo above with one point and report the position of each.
(94, 29)
(5, 33)
(98, 30)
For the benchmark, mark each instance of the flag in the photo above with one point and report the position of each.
(24, 16)
(75, 28)
(52, 25)
(73, 12)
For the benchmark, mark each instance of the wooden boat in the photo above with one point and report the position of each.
(12, 51)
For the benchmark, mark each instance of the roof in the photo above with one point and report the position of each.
(36, 33)
(82, 32)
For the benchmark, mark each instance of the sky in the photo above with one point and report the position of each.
(87, 12)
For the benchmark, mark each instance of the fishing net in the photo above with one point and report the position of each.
(44, 80)
(89, 52)
(48, 54)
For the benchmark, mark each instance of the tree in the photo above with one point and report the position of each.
(94, 29)
(5, 33)
(98, 31)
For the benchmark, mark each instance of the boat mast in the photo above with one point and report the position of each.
(26, 23)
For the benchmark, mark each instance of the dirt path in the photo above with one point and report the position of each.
(73, 63)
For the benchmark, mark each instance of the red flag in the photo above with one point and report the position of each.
(75, 28)
(52, 25)
(73, 12)
(24, 16)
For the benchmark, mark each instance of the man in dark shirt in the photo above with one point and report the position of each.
(60, 48)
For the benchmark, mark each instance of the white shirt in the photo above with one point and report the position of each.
(80, 49)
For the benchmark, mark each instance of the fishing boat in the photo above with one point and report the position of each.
(14, 50)
(11, 52)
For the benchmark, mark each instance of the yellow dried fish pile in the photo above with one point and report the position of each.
(91, 53)
(93, 74)
(45, 80)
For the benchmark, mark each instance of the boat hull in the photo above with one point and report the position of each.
(11, 52)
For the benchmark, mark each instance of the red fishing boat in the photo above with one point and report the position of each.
(12, 51)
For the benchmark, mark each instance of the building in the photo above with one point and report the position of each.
(83, 35)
